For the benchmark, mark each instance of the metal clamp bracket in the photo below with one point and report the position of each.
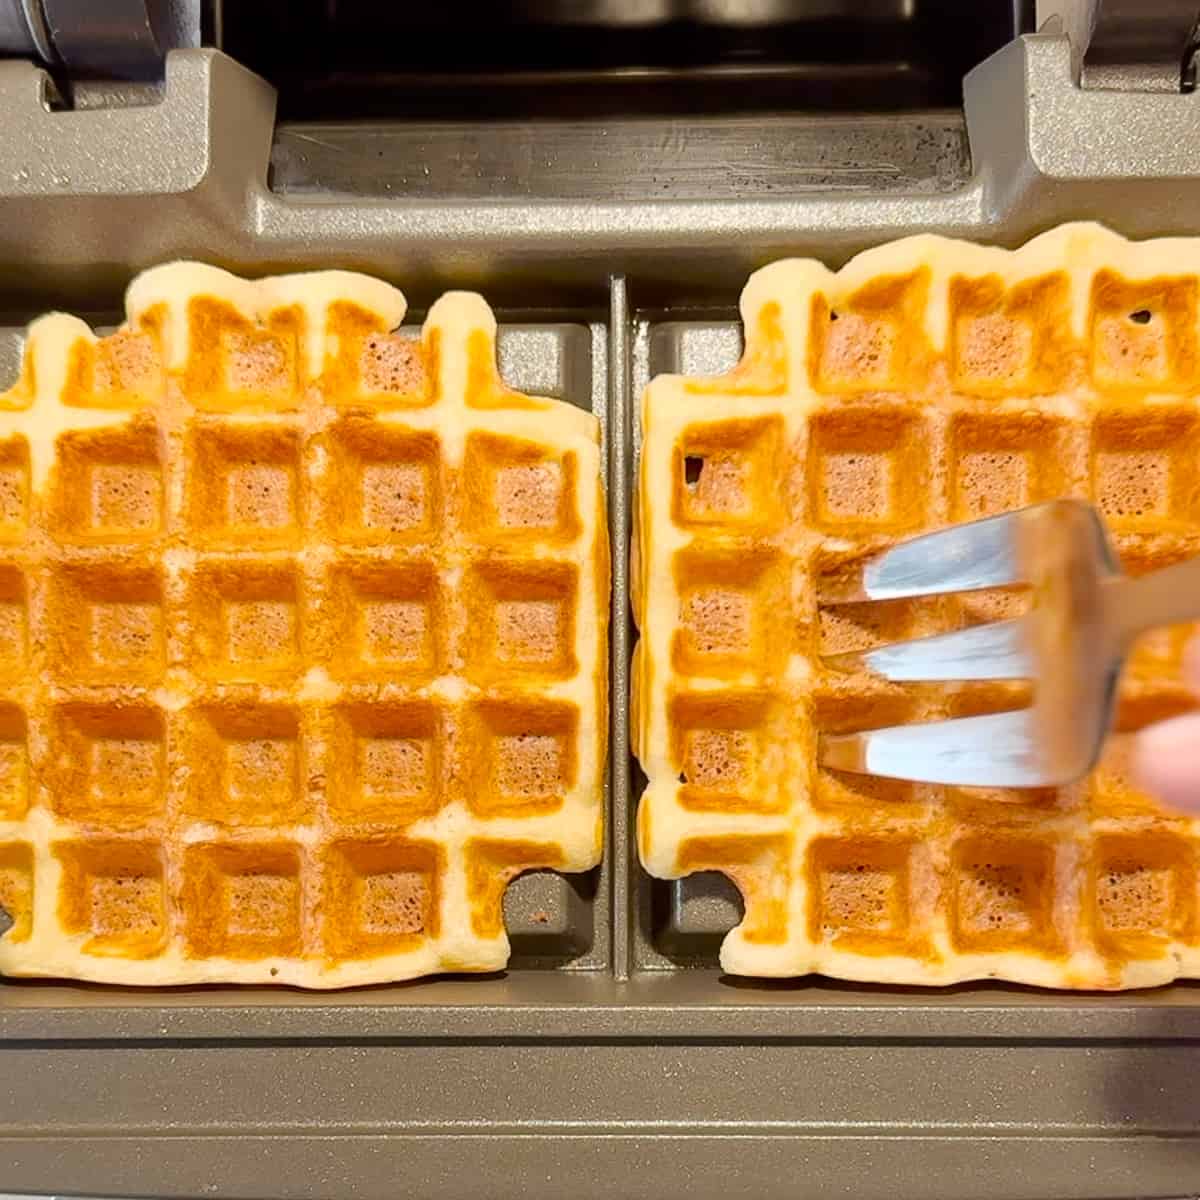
(1131, 45)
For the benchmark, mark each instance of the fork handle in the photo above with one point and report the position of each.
(1166, 597)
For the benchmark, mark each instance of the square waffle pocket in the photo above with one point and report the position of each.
(927, 382)
(302, 638)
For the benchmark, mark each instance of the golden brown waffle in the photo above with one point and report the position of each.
(927, 382)
(302, 638)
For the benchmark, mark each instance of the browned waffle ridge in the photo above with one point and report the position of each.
(927, 382)
(302, 637)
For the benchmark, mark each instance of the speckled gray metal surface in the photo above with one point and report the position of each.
(1042, 151)
(613, 1059)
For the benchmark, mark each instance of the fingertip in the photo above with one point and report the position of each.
(1167, 761)
(1191, 663)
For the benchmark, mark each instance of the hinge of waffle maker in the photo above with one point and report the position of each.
(1128, 45)
(100, 53)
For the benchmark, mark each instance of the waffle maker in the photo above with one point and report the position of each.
(607, 172)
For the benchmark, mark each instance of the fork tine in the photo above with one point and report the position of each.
(996, 750)
(960, 558)
(996, 651)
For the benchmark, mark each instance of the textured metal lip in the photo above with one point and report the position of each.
(207, 145)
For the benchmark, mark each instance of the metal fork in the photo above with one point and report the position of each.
(1072, 644)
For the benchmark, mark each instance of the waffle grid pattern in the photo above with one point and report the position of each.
(302, 638)
(925, 383)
